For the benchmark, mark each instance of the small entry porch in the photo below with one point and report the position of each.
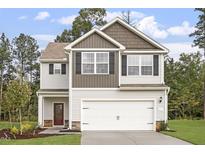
(53, 108)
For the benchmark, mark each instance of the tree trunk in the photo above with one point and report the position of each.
(1, 92)
(20, 121)
(22, 73)
(10, 119)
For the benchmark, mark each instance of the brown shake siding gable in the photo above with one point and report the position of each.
(95, 80)
(95, 41)
(127, 38)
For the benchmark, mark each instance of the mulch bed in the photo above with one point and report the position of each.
(4, 133)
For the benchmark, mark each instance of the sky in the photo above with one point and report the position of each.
(170, 27)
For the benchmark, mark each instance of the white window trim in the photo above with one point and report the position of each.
(54, 68)
(87, 63)
(133, 65)
(146, 65)
(95, 63)
(140, 65)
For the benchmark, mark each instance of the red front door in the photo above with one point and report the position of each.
(58, 113)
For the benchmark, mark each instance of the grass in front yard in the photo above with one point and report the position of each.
(52, 140)
(192, 131)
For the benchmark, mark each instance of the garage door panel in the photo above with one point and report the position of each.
(117, 115)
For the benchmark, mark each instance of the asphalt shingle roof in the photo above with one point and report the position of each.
(54, 51)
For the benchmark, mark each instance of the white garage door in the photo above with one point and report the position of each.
(117, 115)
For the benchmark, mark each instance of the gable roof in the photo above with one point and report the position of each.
(136, 31)
(95, 41)
(95, 30)
(54, 51)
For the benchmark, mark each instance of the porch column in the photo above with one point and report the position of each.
(40, 111)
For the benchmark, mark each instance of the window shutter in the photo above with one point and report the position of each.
(78, 63)
(124, 65)
(111, 62)
(156, 65)
(50, 68)
(63, 68)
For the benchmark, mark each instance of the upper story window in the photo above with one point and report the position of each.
(146, 64)
(57, 68)
(139, 65)
(95, 62)
(133, 64)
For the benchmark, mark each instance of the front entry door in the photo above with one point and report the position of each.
(58, 114)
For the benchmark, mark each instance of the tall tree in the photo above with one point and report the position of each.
(83, 23)
(199, 40)
(127, 17)
(65, 36)
(87, 19)
(25, 50)
(5, 60)
(26, 53)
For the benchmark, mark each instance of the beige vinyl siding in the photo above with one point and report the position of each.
(146, 79)
(95, 41)
(53, 81)
(95, 80)
(127, 38)
(48, 107)
(78, 95)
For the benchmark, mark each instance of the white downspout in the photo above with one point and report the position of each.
(70, 90)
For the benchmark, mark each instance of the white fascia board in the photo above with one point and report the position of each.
(54, 60)
(95, 49)
(117, 100)
(136, 31)
(143, 88)
(59, 93)
(96, 89)
(69, 47)
(145, 51)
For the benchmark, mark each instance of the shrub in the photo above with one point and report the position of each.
(161, 125)
(26, 128)
(14, 130)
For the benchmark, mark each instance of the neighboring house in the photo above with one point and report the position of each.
(111, 78)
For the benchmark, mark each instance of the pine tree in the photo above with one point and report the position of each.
(5, 59)
(199, 40)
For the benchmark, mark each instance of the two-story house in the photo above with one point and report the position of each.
(111, 78)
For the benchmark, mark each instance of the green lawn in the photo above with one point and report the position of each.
(55, 140)
(52, 140)
(189, 130)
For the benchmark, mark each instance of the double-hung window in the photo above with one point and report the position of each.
(88, 62)
(95, 62)
(102, 62)
(133, 65)
(146, 64)
(57, 68)
(139, 65)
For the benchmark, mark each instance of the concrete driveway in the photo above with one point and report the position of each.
(128, 138)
